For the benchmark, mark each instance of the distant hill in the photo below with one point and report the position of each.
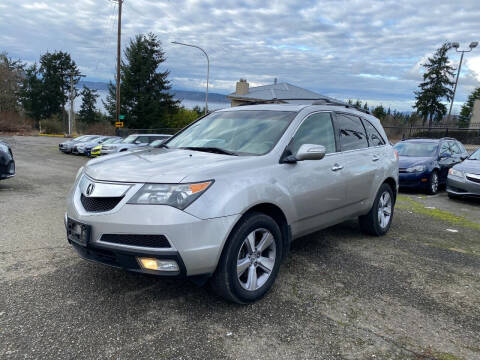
(95, 85)
(178, 94)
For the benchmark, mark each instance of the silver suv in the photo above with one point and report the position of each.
(223, 198)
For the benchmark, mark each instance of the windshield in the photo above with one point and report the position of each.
(250, 132)
(475, 155)
(129, 139)
(416, 149)
(87, 138)
(111, 141)
(81, 138)
(158, 142)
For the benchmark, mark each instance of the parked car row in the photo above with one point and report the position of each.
(95, 145)
(428, 164)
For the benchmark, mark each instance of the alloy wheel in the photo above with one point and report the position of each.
(434, 182)
(256, 259)
(384, 209)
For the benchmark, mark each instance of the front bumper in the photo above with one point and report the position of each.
(65, 148)
(107, 151)
(79, 151)
(413, 180)
(197, 243)
(7, 170)
(460, 186)
(127, 260)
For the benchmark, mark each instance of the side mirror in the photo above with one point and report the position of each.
(445, 155)
(310, 152)
(137, 142)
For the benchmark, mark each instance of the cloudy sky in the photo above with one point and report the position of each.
(370, 50)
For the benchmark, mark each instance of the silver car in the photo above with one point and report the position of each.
(132, 142)
(464, 178)
(222, 199)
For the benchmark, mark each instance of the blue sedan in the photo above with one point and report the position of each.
(424, 163)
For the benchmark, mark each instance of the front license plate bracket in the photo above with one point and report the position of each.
(78, 233)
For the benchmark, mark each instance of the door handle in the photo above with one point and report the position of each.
(375, 158)
(337, 167)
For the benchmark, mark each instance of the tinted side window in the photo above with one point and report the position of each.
(351, 132)
(316, 129)
(445, 148)
(454, 148)
(462, 148)
(142, 139)
(374, 137)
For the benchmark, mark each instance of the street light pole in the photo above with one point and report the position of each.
(208, 69)
(456, 45)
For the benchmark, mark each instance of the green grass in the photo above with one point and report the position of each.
(406, 203)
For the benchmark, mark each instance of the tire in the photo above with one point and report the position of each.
(254, 280)
(433, 183)
(372, 223)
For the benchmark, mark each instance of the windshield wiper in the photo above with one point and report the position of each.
(210, 149)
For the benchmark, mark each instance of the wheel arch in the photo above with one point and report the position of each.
(393, 184)
(277, 214)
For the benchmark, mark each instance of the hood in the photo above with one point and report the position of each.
(409, 161)
(155, 165)
(470, 166)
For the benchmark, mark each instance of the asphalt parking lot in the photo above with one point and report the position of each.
(413, 294)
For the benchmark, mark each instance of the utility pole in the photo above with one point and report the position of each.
(119, 41)
(71, 114)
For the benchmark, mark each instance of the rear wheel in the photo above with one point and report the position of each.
(433, 183)
(378, 220)
(250, 260)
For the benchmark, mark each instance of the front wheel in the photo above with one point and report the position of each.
(250, 260)
(378, 220)
(433, 183)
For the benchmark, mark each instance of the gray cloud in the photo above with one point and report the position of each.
(349, 49)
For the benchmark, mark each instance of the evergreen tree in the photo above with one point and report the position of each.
(379, 112)
(365, 106)
(31, 94)
(46, 87)
(467, 109)
(10, 82)
(88, 111)
(436, 86)
(54, 70)
(144, 93)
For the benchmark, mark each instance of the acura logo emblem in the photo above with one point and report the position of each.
(90, 189)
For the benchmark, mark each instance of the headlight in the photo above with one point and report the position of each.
(418, 168)
(176, 195)
(454, 172)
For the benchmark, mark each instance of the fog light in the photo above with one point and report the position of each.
(157, 264)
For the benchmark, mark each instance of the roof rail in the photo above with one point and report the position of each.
(319, 101)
